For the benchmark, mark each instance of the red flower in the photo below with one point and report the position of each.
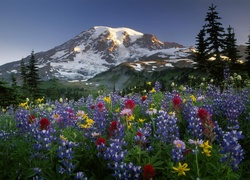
(92, 107)
(143, 98)
(100, 141)
(206, 123)
(177, 101)
(100, 106)
(129, 104)
(148, 172)
(139, 134)
(202, 114)
(31, 119)
(112, 128)
(44, 123)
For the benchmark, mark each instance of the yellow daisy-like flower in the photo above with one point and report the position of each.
(141, 120)
(184, 101)
(85, 116)
(90, 122)
(63, 138)
(129, 125)
(117, 110)
(131, 118)
(181, 169)
(107, 99)
(205, 145)
(149, 83)
(206, 148)
(153, 90)
(206, 151)
(193, 98)
(40, 100)
(23, 104)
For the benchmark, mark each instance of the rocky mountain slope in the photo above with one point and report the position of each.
(97, 50)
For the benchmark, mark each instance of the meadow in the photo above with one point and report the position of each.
(184, 133)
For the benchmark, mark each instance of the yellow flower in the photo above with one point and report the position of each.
(153, 90)
(184, 101)
(129, 125)
(206, 145)
(181, 169)
(193, 98)
(141, 120)
(206, 151)
(130, 118)
(85, 116)
(117, 110)
(149, 83)
(63, 138)
(206, 148)
(90, 122)
(40, 100)
(23, 104)
(107, 100)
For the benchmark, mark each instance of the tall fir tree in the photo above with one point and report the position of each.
(215, 31)
(33, 79)
(247, 52)
(231, 50)
(216, 43)
(201, 55)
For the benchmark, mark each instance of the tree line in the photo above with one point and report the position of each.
(216, 49)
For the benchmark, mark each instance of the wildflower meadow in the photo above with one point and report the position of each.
(185, 133)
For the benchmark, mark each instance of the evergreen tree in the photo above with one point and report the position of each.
(33, 78)
(231, 50)
(201, 56)
(7, 95)
(215, 31)
(247, 51)
(216, 44)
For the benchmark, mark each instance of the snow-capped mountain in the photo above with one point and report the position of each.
(98, 49)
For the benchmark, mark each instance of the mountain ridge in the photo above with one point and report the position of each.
(96, 50)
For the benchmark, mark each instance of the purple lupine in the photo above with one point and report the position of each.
(166, 127)
(157, 86)
(124, 171)
(146, 132)
(80, 176)
(231, 150)
(65, 153)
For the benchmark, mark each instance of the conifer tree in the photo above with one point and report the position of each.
(201, 56)
(247, 51)
(33, 78)
(215, 31)
(216, 43)
(231, 50)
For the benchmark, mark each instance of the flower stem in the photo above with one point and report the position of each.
(197, 165)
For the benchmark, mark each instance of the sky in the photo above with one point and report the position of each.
(40, 25)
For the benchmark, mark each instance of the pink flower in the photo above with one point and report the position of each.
(179, 144)
(126, 112)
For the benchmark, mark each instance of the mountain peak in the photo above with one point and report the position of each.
(100, 48)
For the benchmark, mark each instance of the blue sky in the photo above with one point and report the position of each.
(40, 25)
